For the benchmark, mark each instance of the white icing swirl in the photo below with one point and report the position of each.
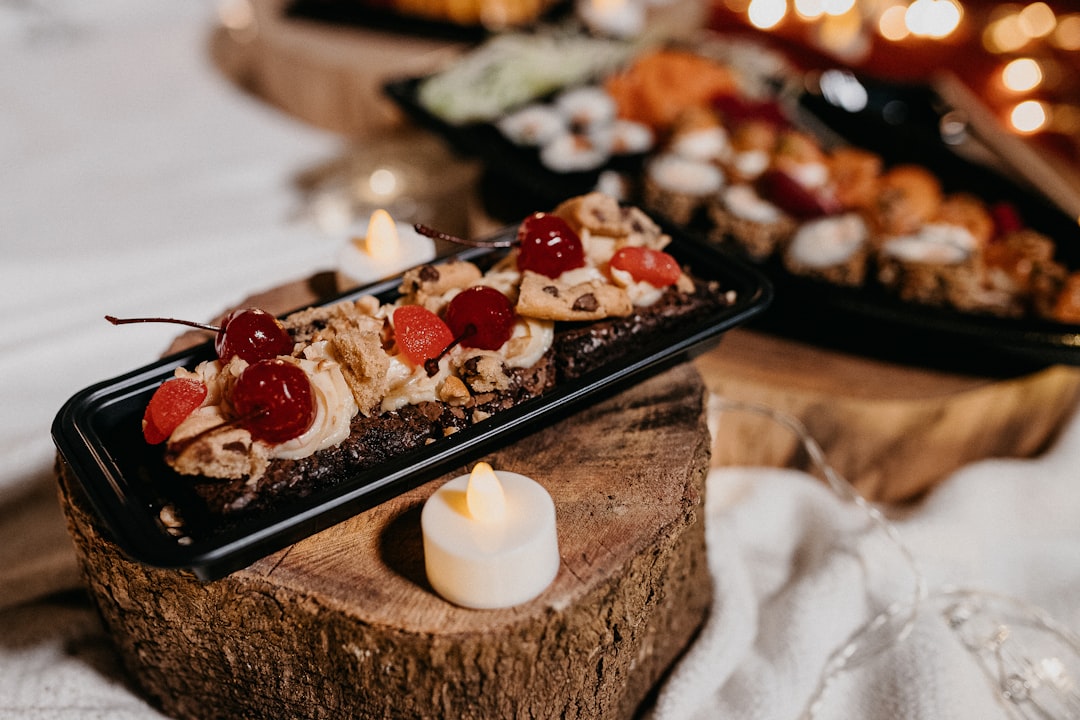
(528, 342)
(705, 144)
(410, 384)
(933, 243)
(810, 174)
(828, 241)
(744, 202)
(683, 175)
(750, 163)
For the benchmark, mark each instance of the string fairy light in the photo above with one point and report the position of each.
(1031, 661)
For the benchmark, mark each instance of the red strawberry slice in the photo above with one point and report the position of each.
(421, 334)
(644, 264)
(170, 405)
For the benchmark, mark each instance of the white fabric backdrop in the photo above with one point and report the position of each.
(135, 179)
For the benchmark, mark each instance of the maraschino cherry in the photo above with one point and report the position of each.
(249, 333)
(274, 401)
(548, 245)
(480, 317)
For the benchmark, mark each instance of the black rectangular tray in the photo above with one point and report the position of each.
(98, 433)
(902, 124)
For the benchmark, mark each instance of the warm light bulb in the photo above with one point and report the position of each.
(381, 241)
(1029, 116)
(1067, 34)
(1037, 20)
(766, 14)
(932, 18)
(809, 9)
(383, 182)
(484, 495)
(891, 23)
(1004, 35)
(1022, 74)
(837, 7)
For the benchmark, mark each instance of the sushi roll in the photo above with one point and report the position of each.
(854, 176)
(570, 152)
(1021, 263)
(532, 125)
(586, 107)
(835, 249)
(936, 265)
(752, 144)
(753, 224)
(677, 187)
(908, 196)
(698, 135)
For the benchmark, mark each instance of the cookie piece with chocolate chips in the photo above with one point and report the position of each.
(555, 299)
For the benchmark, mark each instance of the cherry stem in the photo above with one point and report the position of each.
(431, 365)
(189, 323)
(440, 235)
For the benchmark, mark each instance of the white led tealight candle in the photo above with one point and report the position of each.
(490, 539)
(383, 250)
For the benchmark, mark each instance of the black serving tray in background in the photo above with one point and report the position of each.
(901, 123)
(98, 433)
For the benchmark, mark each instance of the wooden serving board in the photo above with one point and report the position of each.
(894, 431)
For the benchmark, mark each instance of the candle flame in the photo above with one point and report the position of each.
(382, 241)
(484, 494)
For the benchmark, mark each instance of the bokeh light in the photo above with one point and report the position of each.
(766, 14)
(932, 18)
(1029, 116)
(1022, 74)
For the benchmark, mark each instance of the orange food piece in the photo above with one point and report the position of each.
(660, 85)
(1067, 307)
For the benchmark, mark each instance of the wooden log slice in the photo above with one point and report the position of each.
(894, 431)
(344, 624)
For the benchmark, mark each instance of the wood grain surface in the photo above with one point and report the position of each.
(344, 624)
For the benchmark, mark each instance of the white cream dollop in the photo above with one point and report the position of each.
(684, 175)
(744, 202)
(528, 342)
(933, 243)
(750, 163)
(410, 384)
(704, 144)
(829, 240)
(641, 294)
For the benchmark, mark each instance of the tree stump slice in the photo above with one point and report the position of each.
(344, 624)
(893, 431)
